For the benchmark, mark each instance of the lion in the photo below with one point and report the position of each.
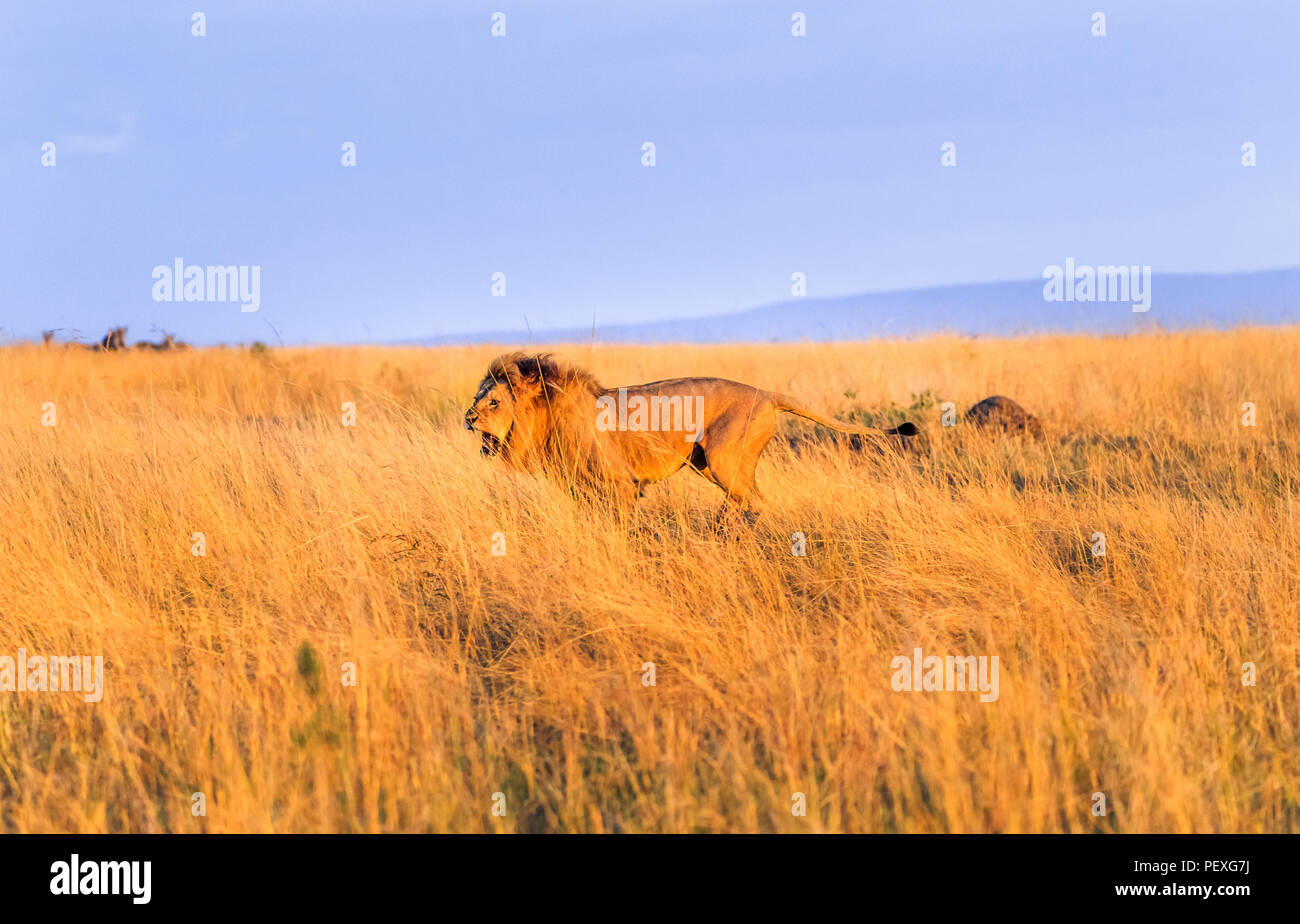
(537, 413)
(1003, 413)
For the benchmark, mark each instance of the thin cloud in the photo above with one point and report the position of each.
(120, 140)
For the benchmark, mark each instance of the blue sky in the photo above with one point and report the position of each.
(522, 155)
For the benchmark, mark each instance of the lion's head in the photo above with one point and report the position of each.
(521, 400)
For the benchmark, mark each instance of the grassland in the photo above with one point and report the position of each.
(522, 674)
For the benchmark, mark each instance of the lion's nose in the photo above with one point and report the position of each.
(470, 417)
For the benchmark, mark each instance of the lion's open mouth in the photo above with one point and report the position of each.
(492, 445)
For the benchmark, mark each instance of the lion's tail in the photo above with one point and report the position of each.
(906, 429)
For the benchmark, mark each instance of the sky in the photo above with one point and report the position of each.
(522, 154)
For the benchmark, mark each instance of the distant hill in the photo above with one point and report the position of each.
(997, 308)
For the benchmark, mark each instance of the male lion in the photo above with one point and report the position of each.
(540, 414)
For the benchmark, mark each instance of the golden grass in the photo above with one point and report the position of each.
(522, 674)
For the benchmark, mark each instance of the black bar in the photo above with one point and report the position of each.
(324, 873)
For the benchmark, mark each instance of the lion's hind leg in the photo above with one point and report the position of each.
(734, 471)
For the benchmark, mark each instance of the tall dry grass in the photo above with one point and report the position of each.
(522, 674)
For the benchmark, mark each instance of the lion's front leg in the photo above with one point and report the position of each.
(615, 493)
(625, 494)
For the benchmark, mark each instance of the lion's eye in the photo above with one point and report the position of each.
(493, 403)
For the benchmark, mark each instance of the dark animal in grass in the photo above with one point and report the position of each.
(115, 339)
(999, 413)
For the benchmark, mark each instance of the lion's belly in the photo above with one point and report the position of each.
(654, 456)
